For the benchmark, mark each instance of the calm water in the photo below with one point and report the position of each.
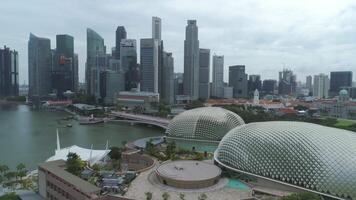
(29, 136)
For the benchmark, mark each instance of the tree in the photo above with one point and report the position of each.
(115, 153)
(302, 196)
(171, 150)
(20, 171)
(9, 196)
(182, 196)
(165, 196)
(194, 104)
(74, 164)
(3, 171)
(148, 195)
(202, 197)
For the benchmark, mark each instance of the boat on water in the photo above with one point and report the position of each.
(69, 125)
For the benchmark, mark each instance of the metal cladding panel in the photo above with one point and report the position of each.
(207, 123)
(305, 155)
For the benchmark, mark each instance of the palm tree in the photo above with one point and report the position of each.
(202, 197)
(182, 196)
(20, 171)
(148, 195)
(165, 196)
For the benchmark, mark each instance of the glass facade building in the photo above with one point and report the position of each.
(301, 155)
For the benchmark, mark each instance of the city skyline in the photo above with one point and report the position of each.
(320, 41)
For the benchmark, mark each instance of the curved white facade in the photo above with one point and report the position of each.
(304, 155)
(206, 123)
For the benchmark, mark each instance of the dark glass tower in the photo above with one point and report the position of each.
(338, 80)
(120, 34)
(9, 72)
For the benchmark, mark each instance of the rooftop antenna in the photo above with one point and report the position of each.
(58, 142)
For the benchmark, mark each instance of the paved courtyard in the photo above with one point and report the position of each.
(146, 182)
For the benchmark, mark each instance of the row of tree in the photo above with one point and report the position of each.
(14, 179)
(166, 196)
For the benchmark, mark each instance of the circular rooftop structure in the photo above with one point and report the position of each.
(300, 155)
(343, 92)
(188, 174)
(206, 123)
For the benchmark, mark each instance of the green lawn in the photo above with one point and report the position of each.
(344, 122)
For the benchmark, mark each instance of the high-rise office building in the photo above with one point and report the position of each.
(338, 80)
(167, 90)
(191, 60)
(128, 59)
(269, 86)
(111, 83)
(309, 83)
(238, 81)
(39, 66)
(149, 65)
(178, 84)
(156, 28)
(218, 77)
(287, 82)
(9, 72)
(96, 50)
(321, 86)
(63, 69)
(120, 35)
(254, 83)
(204, 73)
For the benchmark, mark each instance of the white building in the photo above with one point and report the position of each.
(218, 76)
(321, 86)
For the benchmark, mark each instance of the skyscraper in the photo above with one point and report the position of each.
(95, 50)
(254, 83)
(63, 69)
(120, 34)
(167, 90)
(238, 80)
(339, 79)
(287, 82)
(128, 59)
(309, 83)
(9, 72)
(204, 73)
(149, 65)
(321, 86)
(269, 86)
(191, 61)
(218, 77)
(39, 66)
(156, 28)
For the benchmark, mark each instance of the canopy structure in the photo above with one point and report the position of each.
(89, 155)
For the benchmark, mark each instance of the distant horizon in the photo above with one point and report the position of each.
(265, 37)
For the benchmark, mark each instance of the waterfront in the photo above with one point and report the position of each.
(29, 136)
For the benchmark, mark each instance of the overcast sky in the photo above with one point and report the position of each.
(307, 36)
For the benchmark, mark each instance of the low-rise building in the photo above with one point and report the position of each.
(132, 99)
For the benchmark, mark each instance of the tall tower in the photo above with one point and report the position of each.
(128, 60)
(191, 61)
(167, 90)
(39, 66)
(238, 81)
(321, 86)
(9, 72)
(204, 73)
(149, 65)
(218, 76)
(120, 34)
(156, 28)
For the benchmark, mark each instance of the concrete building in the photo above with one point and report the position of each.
(128, 63)
(120, 35)
(204, 73)
(167, 89)
(9, 72)
(287, 84)
(149, 65)
(111, 83)
(64, 69)
(269, 86)
(39, 66)
(191, 61)
(238, 81)
(228, 92)
(95, 49)
(321, 86)
(254, 83)
(136, 99)
(339, 79)
(218, 77)
(309, 83)
(156, 28)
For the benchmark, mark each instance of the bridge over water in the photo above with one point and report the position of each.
(144, 119)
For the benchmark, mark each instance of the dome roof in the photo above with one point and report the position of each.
(206, 123)
(305, 155)
(343, 92)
